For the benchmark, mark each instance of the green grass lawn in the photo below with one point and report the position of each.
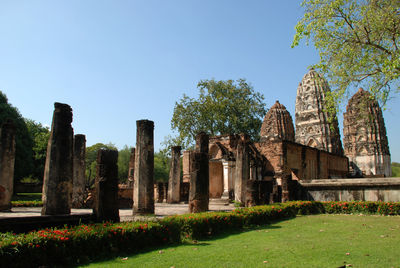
(306, 241)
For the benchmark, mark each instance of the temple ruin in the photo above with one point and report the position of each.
(365, 141)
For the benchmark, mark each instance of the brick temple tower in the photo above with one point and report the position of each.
(277, 124)
(365, 141)
(312, 120)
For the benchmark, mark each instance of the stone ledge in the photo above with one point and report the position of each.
(361, 182)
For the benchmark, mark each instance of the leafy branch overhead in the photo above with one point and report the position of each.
(358, 44)
(222, 107)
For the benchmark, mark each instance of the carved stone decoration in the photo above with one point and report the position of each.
(277, 124)
(365, 141)
(312, 120)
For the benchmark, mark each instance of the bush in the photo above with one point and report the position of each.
(84, 243)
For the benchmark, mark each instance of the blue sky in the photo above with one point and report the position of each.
(116, 62)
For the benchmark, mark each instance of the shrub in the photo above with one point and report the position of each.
(84, 243)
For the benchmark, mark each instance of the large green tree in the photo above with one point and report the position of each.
(161, 167)
(91, 160)
(222, 107)
(23, 142)
(123, 163)
(358, 43)
(40, 137)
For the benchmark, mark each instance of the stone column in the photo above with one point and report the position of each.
(252, 193)
(106, 201)
(131, 169)
(174, 183)
(202, 142)
(78, 190)
(7, 160)
(226, 171)
(242, 171)
(57, 180)
(199, 182)
(143, 192)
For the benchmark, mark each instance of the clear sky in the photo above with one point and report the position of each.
(117, 61)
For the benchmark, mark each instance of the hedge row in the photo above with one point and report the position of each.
(26, 203)
(85, 243)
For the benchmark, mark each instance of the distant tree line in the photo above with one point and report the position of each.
(31, 148)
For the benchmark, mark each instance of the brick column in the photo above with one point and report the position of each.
(143, 192)
(57, 180)
(174, 183)
(242, 171)
(7, 160)
(199, 179)
(106, 201)
(78, 190)
(131, 169)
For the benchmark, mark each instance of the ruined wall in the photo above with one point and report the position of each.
(368, 189)
(216, 179)
(304, 162)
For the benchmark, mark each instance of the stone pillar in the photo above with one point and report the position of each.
(242, 171)
(106, 201)
(143, 192)
(199, 182)
(174, 182)
(131, 169)
(252, 193)
(202, 142)
(226, 171)
(78, 190)
(231, 180)
(57, 180)
(7, 160)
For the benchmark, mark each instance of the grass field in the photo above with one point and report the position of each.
(306, 241)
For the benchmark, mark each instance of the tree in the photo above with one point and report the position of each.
(223, 107)
(161, 167)
(40, 136)
(23, 142)
(91, 160)
(358, 44)
(123, 163)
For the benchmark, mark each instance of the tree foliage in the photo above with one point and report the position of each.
(358, 44)
(161, 167)
(123, 163)
(40, 136)
(23, 142)
(222, 107)
(91, 160)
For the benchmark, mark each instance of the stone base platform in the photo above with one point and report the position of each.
(362, 189)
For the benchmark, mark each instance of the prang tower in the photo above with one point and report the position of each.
(312, 121)
(277, 124)
(365, 141)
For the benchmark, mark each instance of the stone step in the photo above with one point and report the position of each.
(223, 201)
